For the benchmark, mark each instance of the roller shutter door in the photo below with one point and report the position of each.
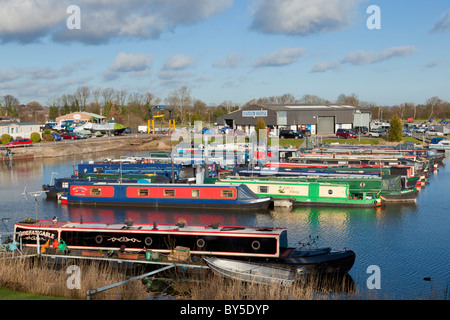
(325, 125)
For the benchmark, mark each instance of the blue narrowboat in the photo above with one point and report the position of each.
(203, 196)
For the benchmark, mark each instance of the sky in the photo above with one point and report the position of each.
(227, 50)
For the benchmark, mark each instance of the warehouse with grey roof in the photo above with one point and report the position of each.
(319, 119)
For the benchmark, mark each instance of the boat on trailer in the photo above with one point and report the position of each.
(187, 196)
(268, 245)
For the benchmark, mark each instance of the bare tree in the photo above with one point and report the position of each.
(350, 100)
(432, 103)
(10, 103)
(108, 96)
(312, 99)
(82, 94)
(181, 99)
(96, 95)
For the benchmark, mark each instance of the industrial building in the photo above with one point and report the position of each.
(319, 119)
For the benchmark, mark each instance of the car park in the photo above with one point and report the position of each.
(346, 133)
(290, 134)
(23, 142)
(69, 136)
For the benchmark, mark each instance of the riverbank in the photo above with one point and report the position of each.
(70, 147)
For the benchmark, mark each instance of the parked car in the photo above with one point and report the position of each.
(19, 143)
(305, 132)
(346, 133)
(361, 129)
(225, 130)
(377, 133)
(56, 136)
(81, 135)
(407, 133)
(290, 134)
(69, 135)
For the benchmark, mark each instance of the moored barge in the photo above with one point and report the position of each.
(196, 196)
(267, 244)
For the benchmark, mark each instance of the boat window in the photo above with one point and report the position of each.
(263, 189)
(65, 185)
(96, 192)
(195, 193)
(227, 193)
(330, 191)
(143, 192)
(169, 193)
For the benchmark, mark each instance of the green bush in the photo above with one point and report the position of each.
(395, 132)
(47, 136)
(260, 125)
(6, 138)
(35, 137)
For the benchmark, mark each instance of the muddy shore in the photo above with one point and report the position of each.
(68, 148)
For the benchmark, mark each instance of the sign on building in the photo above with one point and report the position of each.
(254, 113)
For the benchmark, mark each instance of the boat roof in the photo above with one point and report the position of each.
(155, 185)
(48, 225)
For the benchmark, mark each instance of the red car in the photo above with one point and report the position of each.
(346, 133)
(19, 143)
(69, 135)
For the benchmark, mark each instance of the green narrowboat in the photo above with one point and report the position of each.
(309, 193)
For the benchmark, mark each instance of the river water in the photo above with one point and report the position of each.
(406, 242)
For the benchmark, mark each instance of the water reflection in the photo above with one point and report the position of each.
(149, 216)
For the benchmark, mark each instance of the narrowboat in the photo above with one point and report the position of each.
(309, 193)
(267, 244)
(390, 188)
(408, 174)
(196, 196)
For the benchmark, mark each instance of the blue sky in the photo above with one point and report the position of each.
(234, 50)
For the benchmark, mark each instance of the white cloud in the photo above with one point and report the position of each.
(26, 21)
(29, 20)
(230, 61)
(443, 24)
(303, 17)
(281, 57)
(134, 64)
(369, 57)
(178, 62)
(131, 62)
(325, 66)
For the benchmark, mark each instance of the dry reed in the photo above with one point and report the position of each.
(49, 279)
(213, 287)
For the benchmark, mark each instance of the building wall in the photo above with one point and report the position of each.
(19, 130)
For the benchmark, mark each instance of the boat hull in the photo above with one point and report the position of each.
(258, 204)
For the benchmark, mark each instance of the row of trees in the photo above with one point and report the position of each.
(132, 109)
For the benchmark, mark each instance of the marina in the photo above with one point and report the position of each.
(333, 223)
